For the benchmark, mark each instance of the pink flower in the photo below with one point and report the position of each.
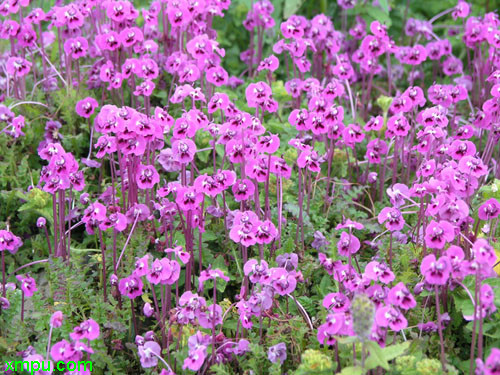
(130, 286)
(392, 217)
(484, 253)
(212, 316)
(283, 282)
(379, 272)
(160, 271)
(473, 166)
(277, 353)
(131, 36)
(195, 359)
(374, 123)
(398, 125)
(374, 149)
(489, 210)
(336, 302)
(76, 47)
(270, 63)
(85, 107)
(9, 242)
(309, 159)
(183, 150)
(188, 198)
(89, 329)
(243, 233)
(18, 67)
(462, 10)
(218, 101)
(436, 272)
(348, 244)
(146, 176)
(258, 272)
(257, 94)
(265, 232)
(148, 354)
(217, 76)
(28, 285)
(390, 317)
(145, 88)
(301, 119)
(147, 69)
(332, 326)
(401, 297)
(243, 190)
(438, 233)
(56, 319)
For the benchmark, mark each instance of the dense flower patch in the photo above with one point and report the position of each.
(334, 207)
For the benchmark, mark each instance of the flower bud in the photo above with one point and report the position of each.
(41, 222)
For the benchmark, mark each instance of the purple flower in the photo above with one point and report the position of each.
(28, 285)
(392, 217)
(146, 176)
(147, 310)
(337, 302)
(379, 272)
(243, 189)
(489, 210)
(89, 329)
(18, 67)
(195, 359)
(277, 353)
(56, 319)
(41, 222)
(398, 194)
(148, 354)
(288, 261)
(258, 272)
(183, 150)
(438, 233)
(130, 286)
(483, 253)
(320, 241)
(401, 297)
(332, 326)
(283, 282)
(211, 317)
(86, 107)
(436, 272)
(492, 365)
(390, 317)
(348, 244)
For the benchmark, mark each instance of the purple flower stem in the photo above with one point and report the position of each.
(56, 229)
(103, 255)
(22, 305)
(440, 328)
(4, 291)
(213, 320)
(127, 241)
(62, 239)
(134, 320)
(48, 343)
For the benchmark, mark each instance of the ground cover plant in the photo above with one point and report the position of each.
(250, 187)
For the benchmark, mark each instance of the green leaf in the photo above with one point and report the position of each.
(393, 351)
(385, 6)
(378, 14)
(352, 370)
(291, 7)
(381, 356)
(376, 357)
